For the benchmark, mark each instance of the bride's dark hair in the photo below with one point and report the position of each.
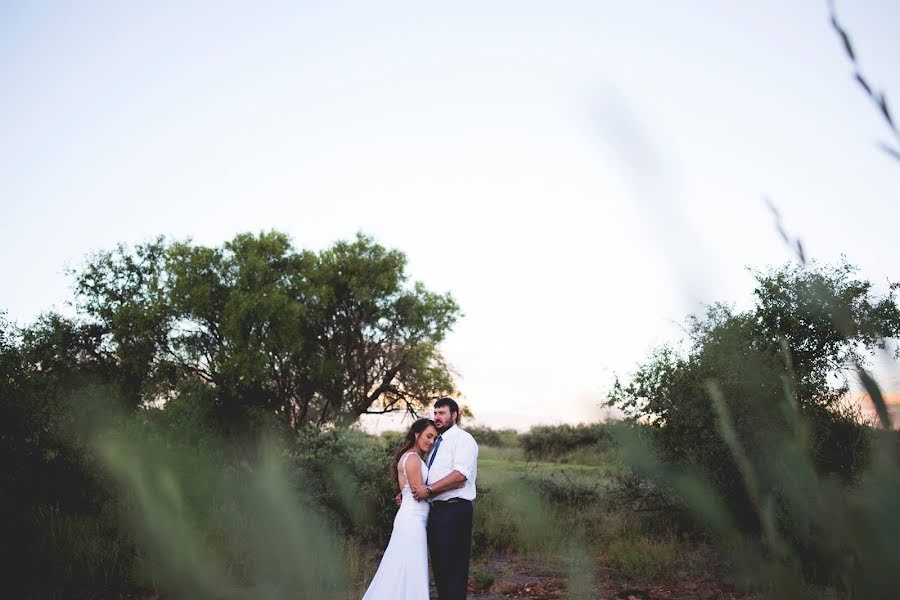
(408, 441)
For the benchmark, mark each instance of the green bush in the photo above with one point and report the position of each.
(747, 431)
(209, 525)
(807, 326)
(483, 577)
(560, 489)
(58, 512)
(549, 442)
(347, 473)
(496, 438)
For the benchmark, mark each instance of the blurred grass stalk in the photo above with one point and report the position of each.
(815, 532)
(207, 527)
(206, 530)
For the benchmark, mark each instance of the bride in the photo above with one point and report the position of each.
(403, 572)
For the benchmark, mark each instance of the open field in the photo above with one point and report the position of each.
(587, 545)
(581, 546)
(498, 464)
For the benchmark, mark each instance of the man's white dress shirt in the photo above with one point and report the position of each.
(458, 452)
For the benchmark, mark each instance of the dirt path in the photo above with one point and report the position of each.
(520, 577)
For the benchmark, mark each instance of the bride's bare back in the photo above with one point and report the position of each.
(409, 470)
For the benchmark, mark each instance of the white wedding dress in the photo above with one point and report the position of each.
(403, 572)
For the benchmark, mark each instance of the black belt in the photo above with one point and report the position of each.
(450, 501)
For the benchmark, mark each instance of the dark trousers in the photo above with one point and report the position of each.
(449, 543)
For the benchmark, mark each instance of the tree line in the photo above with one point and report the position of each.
(255, 325)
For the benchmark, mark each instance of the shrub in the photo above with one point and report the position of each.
(497, 438)
(769, 363)
(554, 441)
(748, 432)
(560, 489)
(347, 472)
(483, 578)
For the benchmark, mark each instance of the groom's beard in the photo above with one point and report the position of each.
(445, 427)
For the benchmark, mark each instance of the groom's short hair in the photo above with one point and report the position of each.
(451, 404)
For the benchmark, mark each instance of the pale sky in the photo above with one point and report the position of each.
(580, 175)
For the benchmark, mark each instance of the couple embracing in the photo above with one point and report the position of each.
(434, 468)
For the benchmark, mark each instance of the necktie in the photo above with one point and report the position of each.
(433, 454)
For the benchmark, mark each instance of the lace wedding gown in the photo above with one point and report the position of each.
(403, 572)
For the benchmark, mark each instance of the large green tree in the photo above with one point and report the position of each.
(792, 352)
(257, 326)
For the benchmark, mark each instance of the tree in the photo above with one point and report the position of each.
(809, 328)
(315, 338)
(828, 319)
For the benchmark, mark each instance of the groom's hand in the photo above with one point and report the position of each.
(399, 498)
(419, 492)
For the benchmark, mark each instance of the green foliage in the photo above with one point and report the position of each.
(643, 558)
(747, 431)
(483, 578)
(511, 517)
(813, 528)
(548, 442)
(561, 489)
(60, 530)
(347, 473)
(207, 527)
(223, 335)
(827, 318)
(316, 338)
(71, 553)
(496, 438)
(536, 506)
(791, 342)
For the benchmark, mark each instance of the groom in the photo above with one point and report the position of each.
(450, 488)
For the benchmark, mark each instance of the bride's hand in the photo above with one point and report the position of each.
(419, 492)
